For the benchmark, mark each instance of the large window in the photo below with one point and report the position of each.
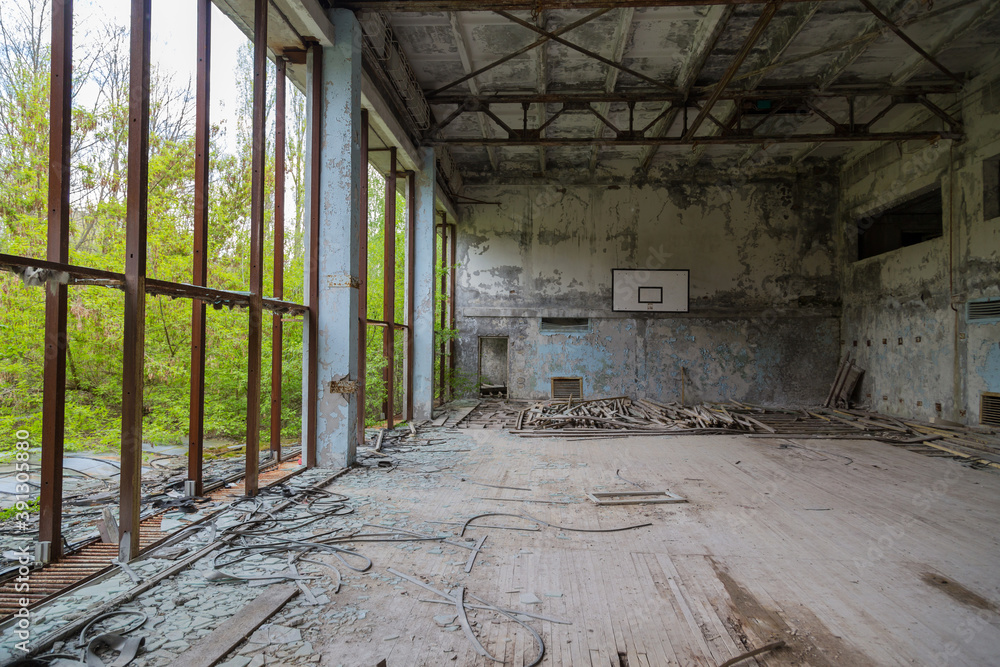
(914, 221)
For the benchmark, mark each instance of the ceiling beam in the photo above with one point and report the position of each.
(706, 37)
(911, 66)
(909, 42)
(872, 31)
(755, 33)
(947, 37)
(463, 55)
(542, 86)
(840, 137)
(790, 106)
(620, 40)
(580, 49)
(849, 49)
(783, 33)
(648, 96)
(529, 5)
(515, 54)
(313, 18)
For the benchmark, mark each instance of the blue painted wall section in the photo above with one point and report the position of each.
(338, 239)
(423, 267)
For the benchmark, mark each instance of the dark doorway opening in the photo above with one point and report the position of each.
(493, 366)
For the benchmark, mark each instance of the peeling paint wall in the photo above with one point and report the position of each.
(764, 323)
(904, 311)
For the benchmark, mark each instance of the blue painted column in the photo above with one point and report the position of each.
(423, 324)
(339, 183)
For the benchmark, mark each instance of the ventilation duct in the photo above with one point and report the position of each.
(989, 409)
(566, 388)
(983, 310)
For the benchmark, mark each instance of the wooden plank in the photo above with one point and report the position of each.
(836, 381)
(635, 498)
(227, 636)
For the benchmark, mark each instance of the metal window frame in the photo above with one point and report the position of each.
(134, 281)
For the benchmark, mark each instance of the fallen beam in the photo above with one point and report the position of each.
(227, 636)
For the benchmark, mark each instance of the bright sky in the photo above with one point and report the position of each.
(172, 48)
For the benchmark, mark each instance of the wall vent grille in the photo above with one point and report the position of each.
(989, 409)
(983, 310)
(565, 388)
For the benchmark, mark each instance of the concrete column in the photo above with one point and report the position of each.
(423, 320)
(339, 182)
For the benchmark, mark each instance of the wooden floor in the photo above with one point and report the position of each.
(853, 553)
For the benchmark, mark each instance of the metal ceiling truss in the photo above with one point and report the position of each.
(733, 127)
(528, 5)
(752, 111)
(510, 56)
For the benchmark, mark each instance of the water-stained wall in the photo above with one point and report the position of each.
(762, 254)
(905, 310)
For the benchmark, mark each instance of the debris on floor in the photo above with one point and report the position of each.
(90, 512)
(626, 416)
(324, 554)
(623, 417)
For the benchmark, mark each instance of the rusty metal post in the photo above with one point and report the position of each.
(256, 245)
(444, 304)
(411, 292)
(137, 189)
(312, 331)
(279, 254)
(202, 137)
(389, 288)
(362, 275)
(57, 250)
(451, 310)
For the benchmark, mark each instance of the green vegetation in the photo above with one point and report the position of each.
(97, 239)
(12, 512)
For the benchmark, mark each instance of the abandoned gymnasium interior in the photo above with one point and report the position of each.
(600, 333)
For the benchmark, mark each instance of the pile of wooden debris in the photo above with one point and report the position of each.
(622, 416)
(625, 416)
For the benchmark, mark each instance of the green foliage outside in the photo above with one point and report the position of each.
(12, 512)
(375, 386)
(97, 239)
